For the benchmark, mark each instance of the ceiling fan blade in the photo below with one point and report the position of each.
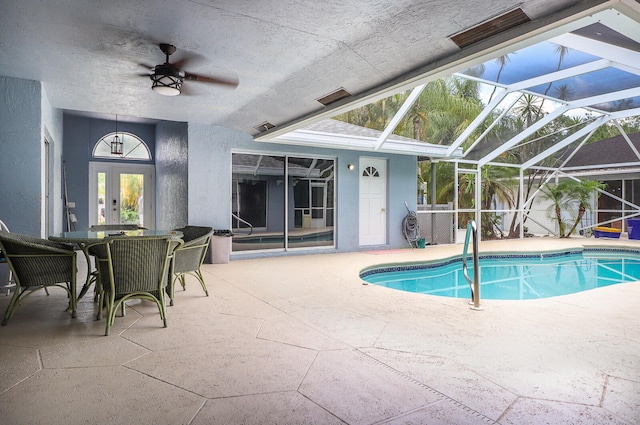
(147, 66)
(231, 82)
(182, 62)
(188, 58)
(187, 91)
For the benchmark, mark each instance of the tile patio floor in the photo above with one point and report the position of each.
(300, 340)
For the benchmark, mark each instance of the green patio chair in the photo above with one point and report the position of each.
(93, 274)
(38, 264)
(131, 267)
(9, 283)
(188, 259)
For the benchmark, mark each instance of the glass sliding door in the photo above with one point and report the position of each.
(610, 209)
(281, 202)
(310, 202)
(258, 193)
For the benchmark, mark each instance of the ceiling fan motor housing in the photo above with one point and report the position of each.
(167, 79)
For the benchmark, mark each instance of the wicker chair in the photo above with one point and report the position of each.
(189, 257)
(93, 274)
(38, 263)
(131, 267)
(3, 260)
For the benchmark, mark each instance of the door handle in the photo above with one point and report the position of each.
(382, 210)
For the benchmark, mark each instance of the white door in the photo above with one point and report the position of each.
(373, 201)
(121, 194)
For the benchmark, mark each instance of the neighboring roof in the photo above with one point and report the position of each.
(614, 152)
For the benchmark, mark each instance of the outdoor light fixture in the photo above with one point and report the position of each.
(350, 167)
(167, 80)
(116, 143)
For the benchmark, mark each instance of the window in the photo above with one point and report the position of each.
(133, 147)
(370, 172)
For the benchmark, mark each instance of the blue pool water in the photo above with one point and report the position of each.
(514, 277)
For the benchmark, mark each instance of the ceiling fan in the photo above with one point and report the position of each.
(168, 77)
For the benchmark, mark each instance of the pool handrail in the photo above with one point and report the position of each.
(235, 217)
(472, 232)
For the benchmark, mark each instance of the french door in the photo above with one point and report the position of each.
(121, 194)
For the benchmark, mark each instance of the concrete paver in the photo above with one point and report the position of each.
(301, 339)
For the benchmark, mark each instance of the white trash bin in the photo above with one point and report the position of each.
(220, 246)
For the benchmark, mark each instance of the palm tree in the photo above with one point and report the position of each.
(561, 51)
(529, 109)
(442, 111)
(502, 60)
(563, 92)
(582, 192)
(568, 195)
(556, 194)
(498, 185)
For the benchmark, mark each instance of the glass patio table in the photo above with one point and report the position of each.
(83, 237)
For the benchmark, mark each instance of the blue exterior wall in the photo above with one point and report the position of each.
(210, 149)
(20, 155)
(193, 169)
(172, 184)
(25, 118)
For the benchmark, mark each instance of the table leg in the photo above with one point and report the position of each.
(91, 278)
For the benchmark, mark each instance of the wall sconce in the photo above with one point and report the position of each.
(351, 167)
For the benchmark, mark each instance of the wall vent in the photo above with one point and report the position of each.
(334, 96)
(491, 27)
(265, 126)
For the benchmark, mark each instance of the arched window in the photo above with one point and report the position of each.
(133, 147)
(370, 172)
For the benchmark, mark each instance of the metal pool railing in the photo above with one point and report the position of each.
(472, 232)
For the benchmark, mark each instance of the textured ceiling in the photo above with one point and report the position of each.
(285, 53)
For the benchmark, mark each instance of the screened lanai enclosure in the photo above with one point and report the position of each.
(499, 135)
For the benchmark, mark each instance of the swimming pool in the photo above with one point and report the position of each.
(514, 276)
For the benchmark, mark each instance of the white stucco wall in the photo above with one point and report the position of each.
(52, 131)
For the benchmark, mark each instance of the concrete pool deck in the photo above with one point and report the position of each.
(300, 340)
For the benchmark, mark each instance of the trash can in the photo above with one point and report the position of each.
(633, 226)
(220, 246)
